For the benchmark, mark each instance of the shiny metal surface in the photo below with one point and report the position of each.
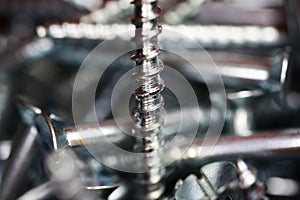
(148, 101)
(222, 180)
(265, 36)
(91, 134)
(216, 178)
(18, 163)
(258, 145)
(254, 45)
(261, 144)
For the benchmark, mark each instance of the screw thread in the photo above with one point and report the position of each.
(148, 99)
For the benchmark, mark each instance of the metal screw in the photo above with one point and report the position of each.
(148, 99)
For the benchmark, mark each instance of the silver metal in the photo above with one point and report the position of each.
(216, 178)
(51, 139)
(91, 135)
(240, 70)
(268, 144)
(111, 12)
(257, 145)
(147, 111)
(222, 180)
(252, 188)
(18, 163)
(184, 10)
(206, 35)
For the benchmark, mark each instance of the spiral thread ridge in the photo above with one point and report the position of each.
(148, 100)
(147, 112)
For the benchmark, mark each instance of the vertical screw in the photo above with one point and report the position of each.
(148, 100)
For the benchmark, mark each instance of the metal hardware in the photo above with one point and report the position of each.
(147, 97)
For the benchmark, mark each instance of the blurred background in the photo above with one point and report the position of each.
(255, 44)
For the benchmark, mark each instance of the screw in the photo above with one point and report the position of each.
(148, 100)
